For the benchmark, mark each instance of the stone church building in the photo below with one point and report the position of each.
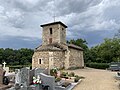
(54, 51)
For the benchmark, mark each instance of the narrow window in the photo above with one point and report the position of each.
(50, 40)
(40, 61)
(51, 31)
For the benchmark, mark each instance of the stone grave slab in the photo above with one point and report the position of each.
(25, 76)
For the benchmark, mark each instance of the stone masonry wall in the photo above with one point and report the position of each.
(76, 58)
(58, 34)
(58, 59)
(44, 55)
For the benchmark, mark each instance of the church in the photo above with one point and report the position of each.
(54, 51)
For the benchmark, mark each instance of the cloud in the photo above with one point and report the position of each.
(22, 18)
(19, 42)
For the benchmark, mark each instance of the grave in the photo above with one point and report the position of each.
(24, 81)
(4, 81)
(2, 72)
(5, 68)
(25, 76)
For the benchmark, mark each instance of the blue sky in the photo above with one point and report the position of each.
(92, 20)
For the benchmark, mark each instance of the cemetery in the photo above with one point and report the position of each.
(37, 79)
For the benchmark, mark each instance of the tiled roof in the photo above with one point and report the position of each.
(74, 46)
(57, 47)
(54, 23)
(51, 47)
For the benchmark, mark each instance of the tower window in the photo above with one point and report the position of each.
(51, 31)
(40, 61)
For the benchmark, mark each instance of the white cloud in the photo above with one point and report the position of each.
(23, 17)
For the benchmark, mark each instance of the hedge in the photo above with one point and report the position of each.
(12, 68)
(98, 65)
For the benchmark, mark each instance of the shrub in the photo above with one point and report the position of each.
(98, 65)
(72, 74)
(64, 74)
(53, 72)
(77, 78)
(81, 77)
(57, 79)
(12, 68)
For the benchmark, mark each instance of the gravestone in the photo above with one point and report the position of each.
(4, 64)
(25, 76)
(5, 68)
(40, 70)
(31, 75)
(17, 76)
(48, 81)
(2, 73)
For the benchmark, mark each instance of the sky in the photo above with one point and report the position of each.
(92, 20)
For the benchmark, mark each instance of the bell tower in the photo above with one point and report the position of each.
(53, 33)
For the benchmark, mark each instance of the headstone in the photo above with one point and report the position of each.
(4, 64)
(6, 69)
(17, 77)
(48, 81)
(40, 70)
(25, 76)
(31, 75)
(2, 73)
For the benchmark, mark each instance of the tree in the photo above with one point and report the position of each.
(21, 56)
(106, 52)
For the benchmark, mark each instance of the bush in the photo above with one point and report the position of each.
(72, 74)
(77, 78)
(64, 75)
(53, 72)
(12, 68)
(98, 65)
(57, 79)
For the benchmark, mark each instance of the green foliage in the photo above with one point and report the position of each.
(106, 52)
(64, 75)
(98, 65)
(72, 74)
(53, 72)
(57, 79)
(21, 56)
(13, 67)
(77, 78)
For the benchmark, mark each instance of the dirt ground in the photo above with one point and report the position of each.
(96, 79)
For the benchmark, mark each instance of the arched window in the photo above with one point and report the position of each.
(40, 61)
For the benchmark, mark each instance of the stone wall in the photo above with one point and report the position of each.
(76, 58)
(44, 55)
(58, 34)
(58, 58)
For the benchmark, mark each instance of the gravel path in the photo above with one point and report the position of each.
(96, 79)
